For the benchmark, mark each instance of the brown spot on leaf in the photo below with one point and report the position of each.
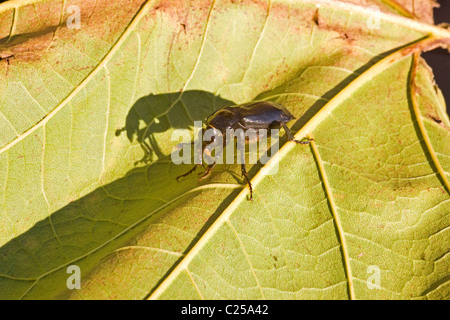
(6, 57)
(184, 27)
(316, 17)
(437, 120)
(29, 47)
(32, 44)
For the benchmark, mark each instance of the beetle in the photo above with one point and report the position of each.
(253, 115)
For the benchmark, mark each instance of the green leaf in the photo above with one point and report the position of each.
(86, 177)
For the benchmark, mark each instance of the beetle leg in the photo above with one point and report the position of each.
(291, 136)
(207, 172)
(189, 172)
(197, 165)
(244, 173)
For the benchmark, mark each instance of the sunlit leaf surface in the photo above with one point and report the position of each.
(86, 178)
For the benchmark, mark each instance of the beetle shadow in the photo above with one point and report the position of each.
(158, 113)
(91, 228)
(318, 105)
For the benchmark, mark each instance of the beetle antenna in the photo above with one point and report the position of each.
(207, 172)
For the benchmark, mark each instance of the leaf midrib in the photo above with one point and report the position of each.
(399, 20)
(420, 122)
(133, 225)
(286, 148)
(306, 130)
